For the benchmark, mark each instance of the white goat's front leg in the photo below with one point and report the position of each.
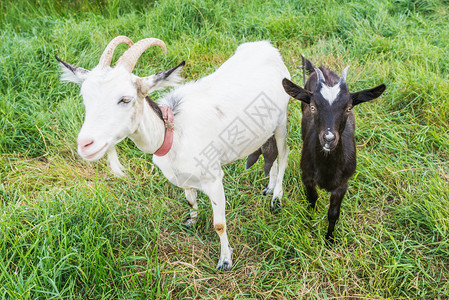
(281, 143)
(191, 198)
(273, 176)
(217, 198)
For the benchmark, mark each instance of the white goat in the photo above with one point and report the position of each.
(219, 118)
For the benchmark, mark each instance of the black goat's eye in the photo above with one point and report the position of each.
(124, 100)
(312, 108)
(348, 109)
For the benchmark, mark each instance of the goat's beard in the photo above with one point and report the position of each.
(325, 151)
(114, 163)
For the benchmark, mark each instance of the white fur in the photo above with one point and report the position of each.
(106, 121)
(209, 111)
(77, 77)
(330, 93)
(114, 163)
(212, 105)
(174, 79)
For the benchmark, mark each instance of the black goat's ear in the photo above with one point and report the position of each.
(307, 64)
(296, 91)
(367, 95)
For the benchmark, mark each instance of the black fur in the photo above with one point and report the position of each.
(154, 106)
(253, 157)
(308, 65)
(329, 169)
(67, 65)
(164, 74)
(71, 67)
(269, 151)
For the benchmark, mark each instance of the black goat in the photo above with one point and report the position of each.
(327, 128)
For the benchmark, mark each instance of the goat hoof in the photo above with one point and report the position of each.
(275, 206)
(330, 241)
(189, 222)
(224, 264)
(266, 191)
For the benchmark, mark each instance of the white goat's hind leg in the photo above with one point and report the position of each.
(280, 135)
(191, 198)
(273, 176)
(217, 198)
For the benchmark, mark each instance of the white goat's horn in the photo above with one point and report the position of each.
(319, 74)
(130, 57)
(343, 76)
(106, 57)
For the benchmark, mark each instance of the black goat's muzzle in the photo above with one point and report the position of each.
(328, 140)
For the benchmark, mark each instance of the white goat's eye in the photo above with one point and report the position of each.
(312, 107)
(348, 109)
(124, 100)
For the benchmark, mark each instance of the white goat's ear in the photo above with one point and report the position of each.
(160, 80)
(71, 73)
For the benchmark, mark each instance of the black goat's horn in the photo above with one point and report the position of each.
(320, 75)
(343, 76)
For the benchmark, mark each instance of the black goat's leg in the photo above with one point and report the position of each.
(252, 158)
(334, 210)
(311, 193)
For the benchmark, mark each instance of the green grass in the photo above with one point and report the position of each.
(69, 229)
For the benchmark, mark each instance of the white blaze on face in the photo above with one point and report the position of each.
(330, 93)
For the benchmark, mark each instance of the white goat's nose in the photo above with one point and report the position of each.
(85, 143)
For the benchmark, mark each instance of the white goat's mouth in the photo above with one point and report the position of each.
(97, 154)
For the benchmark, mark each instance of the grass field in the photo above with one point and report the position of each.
(69, 229)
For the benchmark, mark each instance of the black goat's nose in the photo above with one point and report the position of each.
(329, 137)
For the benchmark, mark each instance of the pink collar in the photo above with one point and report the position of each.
(167, 115)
